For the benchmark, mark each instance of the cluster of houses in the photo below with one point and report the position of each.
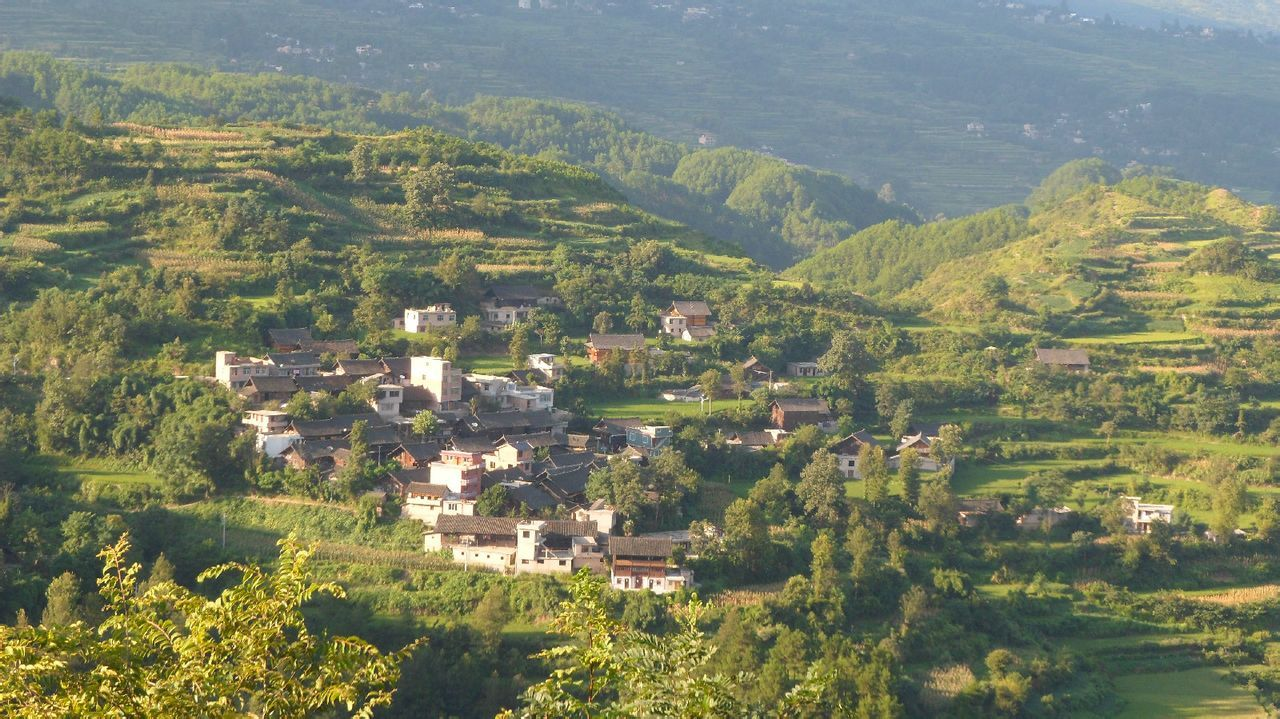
(1139, 519)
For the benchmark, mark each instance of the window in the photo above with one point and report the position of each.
(562, 562)
(525, 534)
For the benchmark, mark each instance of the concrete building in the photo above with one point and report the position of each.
(440, 380)
(430, 318)
(460, 472)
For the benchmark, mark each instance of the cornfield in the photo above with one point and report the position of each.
(942, 684)
(1244, 595)
(26, 245)
(219, 267)
(165, 133)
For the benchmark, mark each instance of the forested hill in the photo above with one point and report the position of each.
(775, 211)
(960, 104)
(1138, 256)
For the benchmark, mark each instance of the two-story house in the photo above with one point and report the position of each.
(430, 318)
(505, 306)
(690, 321)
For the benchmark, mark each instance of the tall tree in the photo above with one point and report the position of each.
(62, 601)
(874, 469)
(362, 161)
(821, 489)
(847, 361)
(909, 475)
(519, 346)
(426, 195)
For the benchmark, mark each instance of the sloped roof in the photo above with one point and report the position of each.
(464, 524)
(802, 404)
(536, 440)
(361, 367)
(853, 443)
(640, 547)
(912, 439)
(471, 444)
(293, 359)
(567, 482)
(530, 495)
(1062, 357)
(753, 439)
(617, 425)
(427, 489)
(271, 384)
(398, 366)
(294, 336)
(332, 383)
(690, 308)
(339, 425)
(421, 451)
(628, 342)
(700, 333)
(338, 347)
(980, 504)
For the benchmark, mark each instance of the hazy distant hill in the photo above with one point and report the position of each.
(1259, 15)
(962, 105)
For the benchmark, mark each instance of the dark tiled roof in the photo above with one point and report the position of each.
(337, 347)
(426, 489)
(616, 342)
(567, 482)
(617, 425)
(331, 383)
(361, 367)
(288, 337)
(980, 504)
(397, 366)
(1062, 357)
(535, 440)
(293, 359)
(272, 385)
(694, 308)
(640, 547)
(463, 524)
(382, 436)
(335, 426)
(471, 444)
(853, 443)
(420, 451)
(754, 439)
(532, 496)
(317, 449)
(802, 404)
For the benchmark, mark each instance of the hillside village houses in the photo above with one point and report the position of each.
(430, 318)
(849, 450)
(1070, 360)
(1142, 515)
(688, 320)
(492, 430)
(505, 306)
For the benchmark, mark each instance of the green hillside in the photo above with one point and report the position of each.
(1148, 263)
(775, 211)
(961, 106)
(228, 206)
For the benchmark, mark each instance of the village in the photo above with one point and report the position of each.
(450, 436)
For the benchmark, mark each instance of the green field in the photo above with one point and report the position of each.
(106, 471)
(1137, 338)
(1196, 693)
(650, 409)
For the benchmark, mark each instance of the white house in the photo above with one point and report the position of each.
(429, 318)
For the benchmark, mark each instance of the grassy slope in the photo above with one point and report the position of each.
(1199, 693)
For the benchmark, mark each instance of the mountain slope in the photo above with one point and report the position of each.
(237, 206)
(961, 105)
(775, 211)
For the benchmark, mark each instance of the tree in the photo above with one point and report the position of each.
(824, 577)
(1269, 519)
(492, 614)
(903, 415)
(425, 424)
(745, 533)
(937, 503)
(709, 383)
(875, 472)
(640, 314)
(195, 451)
(949, 445)
(1107, 429)
(362, 161)
(620, 485)
(848, 360)
(62, 601)
(739, 380)
(603, 323)
(671, 479)
(519, 346)
(861, 546)
(426, 195)
(770, 494)
(167, 651)
(821, 489)
(909, 475)
(493, 502)
(611, 671)
(1230, 500)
